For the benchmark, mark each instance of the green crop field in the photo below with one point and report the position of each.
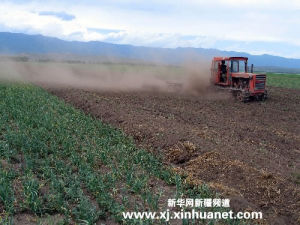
(60, 165)
(283, 80)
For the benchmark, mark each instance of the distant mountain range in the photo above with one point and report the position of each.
(17, 43)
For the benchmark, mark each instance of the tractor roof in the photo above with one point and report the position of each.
(230, 58)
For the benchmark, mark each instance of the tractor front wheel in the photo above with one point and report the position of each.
(262, 97)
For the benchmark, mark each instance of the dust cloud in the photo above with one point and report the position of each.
(192, 77)
(197, 79)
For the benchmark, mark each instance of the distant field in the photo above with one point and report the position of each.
(24, 69)
(284, 80)
(95, 76)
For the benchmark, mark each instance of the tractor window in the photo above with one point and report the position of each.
(216, 66)
(242, 66)
(238, 66)
(234, 66)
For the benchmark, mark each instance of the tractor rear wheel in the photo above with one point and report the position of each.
(242, 96)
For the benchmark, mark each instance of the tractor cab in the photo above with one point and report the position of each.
(233, 73)
(224, 67)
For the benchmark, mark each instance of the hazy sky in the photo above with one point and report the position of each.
(254, 26)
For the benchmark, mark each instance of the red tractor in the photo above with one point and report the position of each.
(234, 74)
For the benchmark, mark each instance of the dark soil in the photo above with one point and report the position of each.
(249, 152)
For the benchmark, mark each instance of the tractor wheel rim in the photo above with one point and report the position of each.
(240, 97)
